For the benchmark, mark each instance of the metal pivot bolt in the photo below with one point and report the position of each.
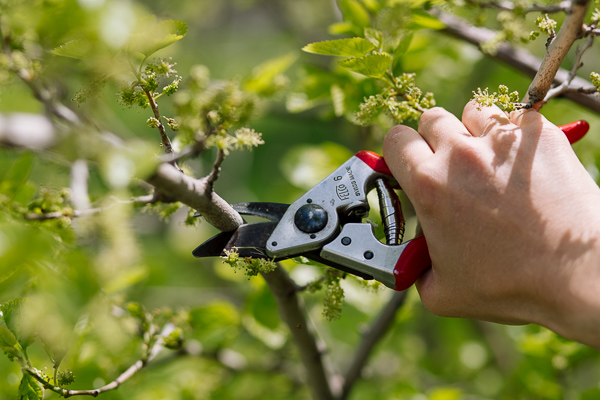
(311, 218)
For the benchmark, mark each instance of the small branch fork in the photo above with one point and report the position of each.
(570, 31)
(520, 59)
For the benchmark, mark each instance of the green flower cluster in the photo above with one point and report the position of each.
(137, 93)
(507, 101)
(405, 101)
(250, 266)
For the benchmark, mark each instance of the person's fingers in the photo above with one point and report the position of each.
(403, 150)
(482, 120)
(439, 128)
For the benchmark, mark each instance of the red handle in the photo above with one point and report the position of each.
(575, 130)
(375, 161)
(413, 261)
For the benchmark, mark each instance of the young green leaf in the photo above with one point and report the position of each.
(78, 48)
(30, 389)
(7, 337)
(422, 20)
(266, 77)
(349, 47)
(354, 12)
(157, 36)
(375, 37)
(372, 65)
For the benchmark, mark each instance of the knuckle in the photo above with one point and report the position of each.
(427, 184)
(431, 115)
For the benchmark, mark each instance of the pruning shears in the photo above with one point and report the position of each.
(326, 225)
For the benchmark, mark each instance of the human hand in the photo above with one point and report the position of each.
(511, 218)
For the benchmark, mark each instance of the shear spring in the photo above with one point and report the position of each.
(391, 213)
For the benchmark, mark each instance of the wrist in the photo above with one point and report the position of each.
(573, 303)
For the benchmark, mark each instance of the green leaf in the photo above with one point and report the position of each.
(342, 28)
(265, 76)
(354, 12)
(78, 48)
(423, 20)
(375, 37)
(349, 47)
(372, 65)
(403, 45)
(156, 36)
(17, 175)
(30, 389)
(7, 337)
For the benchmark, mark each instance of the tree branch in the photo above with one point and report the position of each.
(291, 311)
(166, 142)
(129, 372)
(139, 200)
(196, 194)
(517, 58)
(510, 6)
(571, 30)
(565, 86)
(369, 340)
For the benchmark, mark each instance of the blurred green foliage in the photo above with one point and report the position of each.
(101, 290)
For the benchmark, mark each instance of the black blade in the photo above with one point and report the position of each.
(271, 211)
(250, 240)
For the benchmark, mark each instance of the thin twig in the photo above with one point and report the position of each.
(140, 200)
(132, 370)
(216, 168)
(577, 64)
(166, 142)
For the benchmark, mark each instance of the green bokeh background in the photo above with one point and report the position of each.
(237, 347)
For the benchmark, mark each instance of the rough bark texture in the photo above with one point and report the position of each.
(196, 194)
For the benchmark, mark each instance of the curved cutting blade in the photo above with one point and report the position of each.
(271, 211)
(250, 240)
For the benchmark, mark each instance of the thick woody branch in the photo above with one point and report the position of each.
(517, 58)
(570, 31)
(291, 310)
(197, 194)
